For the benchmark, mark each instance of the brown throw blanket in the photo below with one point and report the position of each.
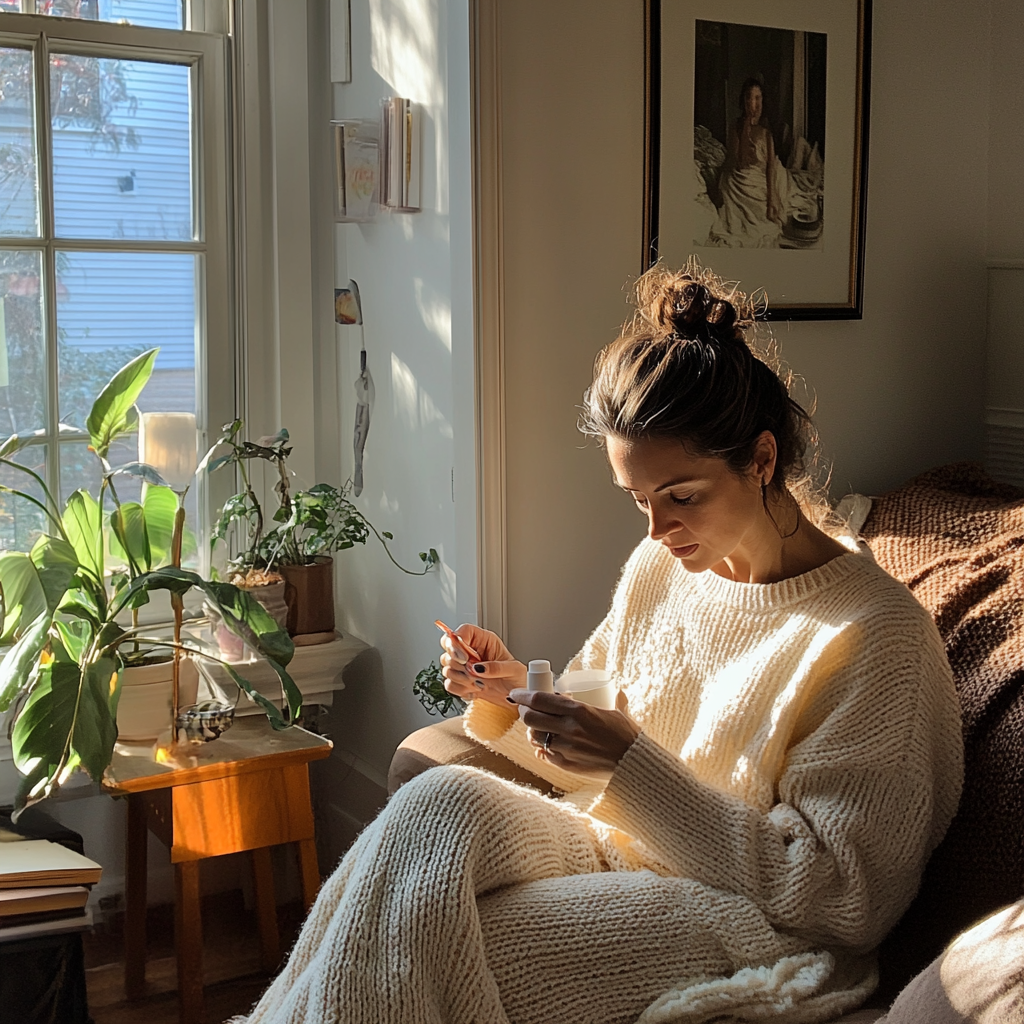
(956, 538)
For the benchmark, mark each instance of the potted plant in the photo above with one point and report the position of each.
(74, 623)
(310, 526)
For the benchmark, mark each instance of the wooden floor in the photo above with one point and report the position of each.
(234, 980)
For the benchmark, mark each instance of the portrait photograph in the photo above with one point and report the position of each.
(759, 136)
(756, 155)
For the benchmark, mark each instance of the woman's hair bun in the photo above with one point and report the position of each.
(680, 304)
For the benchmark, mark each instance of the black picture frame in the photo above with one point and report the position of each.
(703, 59)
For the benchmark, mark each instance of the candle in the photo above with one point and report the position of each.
(167, 442)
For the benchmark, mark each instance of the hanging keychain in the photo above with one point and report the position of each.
(348, 310)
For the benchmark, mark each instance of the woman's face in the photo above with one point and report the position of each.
(699, 508)
(752, 102)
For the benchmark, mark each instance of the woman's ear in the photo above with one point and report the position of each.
(765, 454)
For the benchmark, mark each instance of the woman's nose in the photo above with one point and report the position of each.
(659, 524)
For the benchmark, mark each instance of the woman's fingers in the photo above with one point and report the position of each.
(578, 736)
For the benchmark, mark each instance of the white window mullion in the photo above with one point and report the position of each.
(44, 150)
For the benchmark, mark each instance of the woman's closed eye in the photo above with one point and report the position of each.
(679, 499)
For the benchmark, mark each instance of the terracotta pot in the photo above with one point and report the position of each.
(272, 597)
(309, 593)
(144, 706)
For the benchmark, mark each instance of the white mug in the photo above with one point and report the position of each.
(592, 686)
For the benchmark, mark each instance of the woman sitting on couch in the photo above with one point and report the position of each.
(735, 839)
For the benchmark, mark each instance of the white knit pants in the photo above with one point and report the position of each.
(454, 907)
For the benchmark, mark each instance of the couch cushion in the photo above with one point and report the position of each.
(956, 538)
(979, 979)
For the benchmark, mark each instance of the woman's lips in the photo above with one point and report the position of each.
(684, 552)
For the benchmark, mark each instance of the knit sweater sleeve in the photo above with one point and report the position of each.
(867, 790)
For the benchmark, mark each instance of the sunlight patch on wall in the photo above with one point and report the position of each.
(436, 312)
(413, 407)
(404, 48)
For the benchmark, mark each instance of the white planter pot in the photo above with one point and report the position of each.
(144, 708)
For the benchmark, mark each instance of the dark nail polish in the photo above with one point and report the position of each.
(478, 667)
(510, 700)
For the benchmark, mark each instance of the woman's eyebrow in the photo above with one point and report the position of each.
(677, 483)
(663, 487)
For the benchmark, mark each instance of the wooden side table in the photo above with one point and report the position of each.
(248, 790)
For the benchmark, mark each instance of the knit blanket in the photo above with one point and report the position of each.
(956, 538)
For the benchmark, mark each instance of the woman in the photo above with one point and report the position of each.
(753, 182)
(739, 834)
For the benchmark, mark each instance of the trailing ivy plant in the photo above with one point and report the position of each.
(319, 521)
(429, 689)
(66, 614)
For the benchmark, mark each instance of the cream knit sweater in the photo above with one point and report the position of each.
(800, 757)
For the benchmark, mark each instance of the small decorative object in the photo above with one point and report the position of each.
(341, 41)
(429, 689)
(400, 155)
(200, 723)
(751, 163)
(356, 169)
(63, 605)
(348, 310)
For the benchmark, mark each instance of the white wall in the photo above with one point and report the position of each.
(415, 277)
(899, 391)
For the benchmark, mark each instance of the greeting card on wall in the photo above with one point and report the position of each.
(757, 146)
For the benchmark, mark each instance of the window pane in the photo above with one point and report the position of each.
(22, 353)
(19, 176)
(150, 13)
(121, 148)
(113, 306)
(20, 520)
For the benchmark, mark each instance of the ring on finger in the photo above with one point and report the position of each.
(546, 742)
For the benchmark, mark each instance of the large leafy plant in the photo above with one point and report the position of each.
(72, 619)
(310, 523)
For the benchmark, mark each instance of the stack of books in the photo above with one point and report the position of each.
(43, 887)
(400, 155)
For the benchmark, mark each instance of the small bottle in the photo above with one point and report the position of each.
(539, 677)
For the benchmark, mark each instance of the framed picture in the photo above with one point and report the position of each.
(757, 137)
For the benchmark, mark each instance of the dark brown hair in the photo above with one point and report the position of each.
(682, 369)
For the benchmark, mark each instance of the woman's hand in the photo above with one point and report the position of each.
(583, 739)
(492, 678)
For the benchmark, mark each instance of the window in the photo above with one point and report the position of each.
(113, 229)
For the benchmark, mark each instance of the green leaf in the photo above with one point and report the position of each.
(95, 732)
(82, 525)
(74, 636)
(270, 709)
(21, 663)
(12, 445)
(24, 596)
(111, 413)
(128, 522)
(160, 505)
(56, 563)
(41, 737)
(142, 470)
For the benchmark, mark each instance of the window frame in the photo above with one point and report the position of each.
(217, 379)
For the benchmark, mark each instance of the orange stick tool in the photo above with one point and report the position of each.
(458, 641)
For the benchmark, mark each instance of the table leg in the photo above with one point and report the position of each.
(136, 838)
(266, 908)
(188, 941)
(310, 871)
